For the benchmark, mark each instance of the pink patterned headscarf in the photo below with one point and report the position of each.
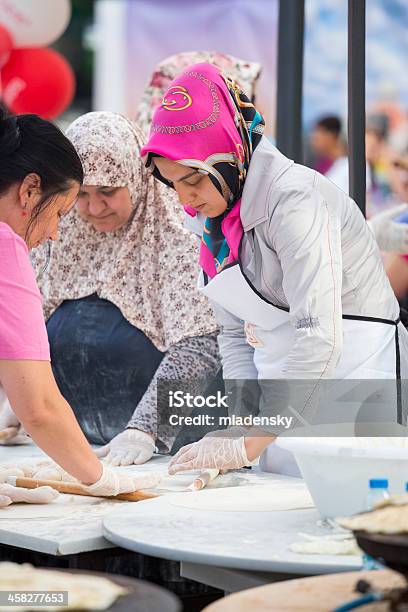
(244, 72)
(206, 122)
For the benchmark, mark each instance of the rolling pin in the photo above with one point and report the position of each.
(9, 432)
(73, 488)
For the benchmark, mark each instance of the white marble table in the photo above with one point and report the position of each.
(77, 533)
(82, 531)
(228, 550)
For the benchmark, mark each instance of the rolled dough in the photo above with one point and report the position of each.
(85, 592)
(279, 496)
(179, 482)
(63, 506)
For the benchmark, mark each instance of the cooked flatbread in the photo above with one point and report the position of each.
(389, 519)
(85, 592)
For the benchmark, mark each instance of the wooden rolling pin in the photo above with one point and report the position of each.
(73, 488)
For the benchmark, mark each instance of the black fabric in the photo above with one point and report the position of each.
(102, 364)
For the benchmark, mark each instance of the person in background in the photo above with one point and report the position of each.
(327, 144)
(378, 157)
(40, 176)
(119, 294)
(396, 265)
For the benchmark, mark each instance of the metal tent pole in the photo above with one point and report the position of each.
(356, 102)
(290, 75)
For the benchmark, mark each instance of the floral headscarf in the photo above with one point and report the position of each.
(146, 268)
(245, 73)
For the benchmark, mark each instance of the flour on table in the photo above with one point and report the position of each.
(85, 592)
(64, 506)
(261, 498)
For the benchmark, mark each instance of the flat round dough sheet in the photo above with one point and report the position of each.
(279, 496)
(63, 506)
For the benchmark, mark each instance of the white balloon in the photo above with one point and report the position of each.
(35, 23)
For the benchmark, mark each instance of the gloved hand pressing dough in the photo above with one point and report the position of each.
(112, 482)
(132, 446)
(391, 236)
(211, 452)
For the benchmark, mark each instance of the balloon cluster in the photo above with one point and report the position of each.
(34, 79)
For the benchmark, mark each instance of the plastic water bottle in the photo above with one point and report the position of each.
(378, 491)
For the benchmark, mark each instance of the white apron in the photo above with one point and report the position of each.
(370, 346)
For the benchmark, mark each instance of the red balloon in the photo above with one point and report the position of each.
(6, 45)
(37, 81)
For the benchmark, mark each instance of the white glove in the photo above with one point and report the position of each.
(132, 446)
(112, 482)
(214, 452)
(390, 235)
(41, 495)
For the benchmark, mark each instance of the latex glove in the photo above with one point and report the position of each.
(114, 481)
(132, 446)
(389, 234)
(212, 451)
(41, 495)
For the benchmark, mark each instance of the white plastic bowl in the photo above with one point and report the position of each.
(337, 470)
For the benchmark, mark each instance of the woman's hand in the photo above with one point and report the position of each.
(112, 482)
(132, 446)
(115, 481)
(222, 450)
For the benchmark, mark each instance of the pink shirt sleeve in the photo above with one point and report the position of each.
(23, 334)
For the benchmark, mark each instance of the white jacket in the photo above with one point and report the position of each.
(308, 248)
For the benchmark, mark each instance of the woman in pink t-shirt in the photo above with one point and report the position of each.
(40, 176)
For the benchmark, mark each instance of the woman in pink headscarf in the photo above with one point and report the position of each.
(287, 259)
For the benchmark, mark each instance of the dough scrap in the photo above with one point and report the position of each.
(40, 495)
(326, 546)
(256, 498)
(85, 592)
(387, 520)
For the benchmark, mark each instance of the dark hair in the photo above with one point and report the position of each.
(31, 144)
(379, 124)
(331, 124)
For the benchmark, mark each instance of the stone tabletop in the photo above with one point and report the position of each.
(252, 541)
